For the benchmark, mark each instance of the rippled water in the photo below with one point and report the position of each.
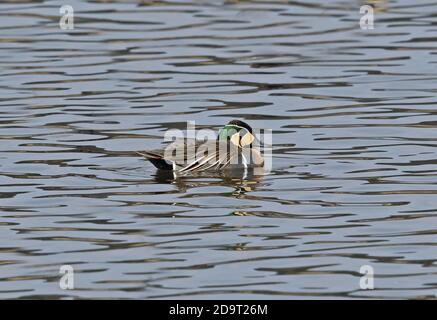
(353, 183)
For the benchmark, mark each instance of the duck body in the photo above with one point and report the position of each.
(232, 149)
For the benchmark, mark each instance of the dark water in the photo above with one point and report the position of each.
(354, 176)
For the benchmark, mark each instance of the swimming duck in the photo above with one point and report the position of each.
(232, 148)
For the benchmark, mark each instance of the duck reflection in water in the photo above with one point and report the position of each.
(243, 181)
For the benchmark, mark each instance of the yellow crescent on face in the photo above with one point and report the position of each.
(235, 139)
(247, 139)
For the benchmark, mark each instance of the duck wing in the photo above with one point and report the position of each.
(211, 154)
(189, 155)
(176, 155)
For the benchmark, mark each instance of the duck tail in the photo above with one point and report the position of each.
(157, 160)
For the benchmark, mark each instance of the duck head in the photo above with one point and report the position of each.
(238, 133)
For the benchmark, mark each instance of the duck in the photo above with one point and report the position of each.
(232, 148)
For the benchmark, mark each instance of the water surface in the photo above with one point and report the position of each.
(353, 182)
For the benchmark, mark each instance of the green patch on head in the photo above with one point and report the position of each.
(227, 131)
